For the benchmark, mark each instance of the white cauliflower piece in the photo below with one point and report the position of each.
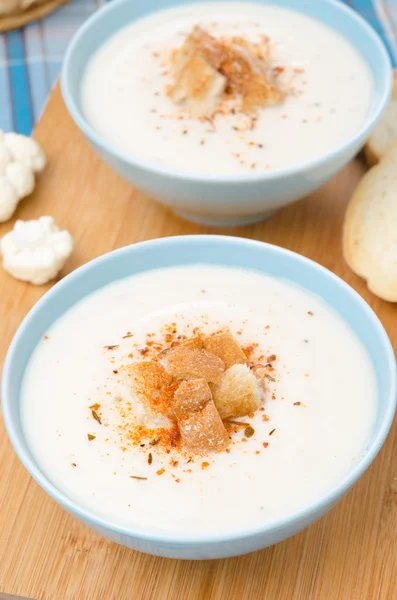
(5, 157)
(25, 150)
(35, 251)
(21, 177)
(8, 199)
(20, 158)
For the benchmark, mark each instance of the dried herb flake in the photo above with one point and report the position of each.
(239, 423)
(150, 458)
(91, 437)
(96, 416)
(249, 431)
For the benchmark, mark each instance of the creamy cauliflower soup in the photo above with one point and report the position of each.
(198, 399)
(226, 89)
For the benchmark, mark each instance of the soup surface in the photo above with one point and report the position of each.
(80, 415)
(124, 92)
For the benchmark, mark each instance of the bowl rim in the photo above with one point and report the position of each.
(313, 508)
(174, 173)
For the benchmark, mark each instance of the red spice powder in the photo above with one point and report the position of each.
(166, 440)
(160, 438)
(249, 350)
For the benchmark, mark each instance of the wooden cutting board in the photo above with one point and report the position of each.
(44, 553)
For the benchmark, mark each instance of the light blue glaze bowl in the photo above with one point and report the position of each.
(188, 250)
(235, 199)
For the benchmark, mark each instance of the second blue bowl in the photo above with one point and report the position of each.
(234, 199)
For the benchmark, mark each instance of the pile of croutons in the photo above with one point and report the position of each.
(200, 382)
(207, 70)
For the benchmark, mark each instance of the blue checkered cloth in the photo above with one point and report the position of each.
(30, 57)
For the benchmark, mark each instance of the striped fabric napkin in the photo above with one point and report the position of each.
(30, 58)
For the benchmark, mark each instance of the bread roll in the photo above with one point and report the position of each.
(370, 228)
(385, 133)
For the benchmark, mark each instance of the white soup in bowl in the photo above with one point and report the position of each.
(128, 457)
(135, 95)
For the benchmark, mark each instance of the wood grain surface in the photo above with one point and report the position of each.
(44, 553)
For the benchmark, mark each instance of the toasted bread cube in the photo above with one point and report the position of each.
(194, 342)
(247, 73)
(152, 385)
(226, 347)
(238, 393)
(193, 363)
(198, 87)
(191, 396)
(207, 68)
(199, 422)
(199, 41)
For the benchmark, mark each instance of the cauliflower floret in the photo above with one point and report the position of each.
(5, 157)
(8, 199)
(20, 158)
(35, 251)
(25, 150)
(21, 177)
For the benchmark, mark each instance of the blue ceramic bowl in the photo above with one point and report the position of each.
(234, 199)
(188, 250)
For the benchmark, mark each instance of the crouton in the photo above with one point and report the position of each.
(200, 425)
(199, 41)
(238, 393)
(193, 363)
(194, 342)
(225, 347)
(191, 396)
(207, 68)
(248, 74)
(152, 385)
(198, 87)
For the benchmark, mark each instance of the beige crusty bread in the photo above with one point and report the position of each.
(385, 133)
(199, 422)
(198, 87)
(207, 68)
(370, 228)
(192, 363)
(238, 393)
(152, 385)
(225, 347)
